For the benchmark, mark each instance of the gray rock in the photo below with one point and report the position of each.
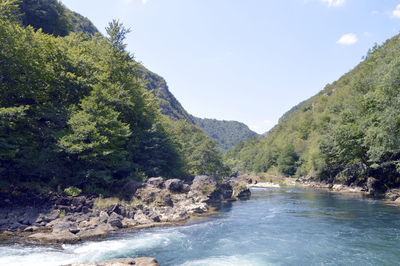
(202, 181)
(174, 185)
(55, 237)
(141, 218)
(54, 214)
(115, 220)
(98, 231)
(130, 187)
(185, 188)
(156, 181)
(60, 225)
(103, 217)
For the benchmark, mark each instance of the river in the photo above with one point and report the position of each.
(273, 227)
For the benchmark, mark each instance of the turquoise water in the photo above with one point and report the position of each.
(273, 227)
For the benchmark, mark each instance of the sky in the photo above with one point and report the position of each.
(247, 60)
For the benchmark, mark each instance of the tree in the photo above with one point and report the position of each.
(287, 160)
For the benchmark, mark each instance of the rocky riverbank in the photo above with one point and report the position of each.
(370, 187)
(54, 218)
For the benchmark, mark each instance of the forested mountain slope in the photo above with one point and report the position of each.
(169, 105)
(53, 18)
(74, 112)
(346, 133)
(226, 133)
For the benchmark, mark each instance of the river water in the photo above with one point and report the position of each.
(273, 227)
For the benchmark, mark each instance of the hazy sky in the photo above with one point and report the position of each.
(247, 60)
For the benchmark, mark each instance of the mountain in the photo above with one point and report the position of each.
(74, 111)
(169, 105)
(226, 133)
(54, 18)
(347, 133)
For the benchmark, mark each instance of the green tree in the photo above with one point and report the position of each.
(287, 160)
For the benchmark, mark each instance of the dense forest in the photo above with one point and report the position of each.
(74, 109)
(346, 133)
(226, 133)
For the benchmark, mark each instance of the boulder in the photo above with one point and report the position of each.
(154, 196)
(103, 217)
(185, 188)
(156, 181)
(115, 220)
(244, 194)
(60, 225)
(98, 231)
(372, 185)
(203, 182)
(141, 218)
(174, 185)
(55, 237)
(130, 187)
(54, 214)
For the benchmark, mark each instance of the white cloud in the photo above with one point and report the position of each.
(348, 39)
(267, 121)
(396, 12)
(334, 3)
(145, 1)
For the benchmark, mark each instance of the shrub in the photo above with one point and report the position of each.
(73, 191)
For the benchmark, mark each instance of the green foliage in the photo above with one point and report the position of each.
(74, 112)
(73, 191)
(49, 15)
(348, 131)
(287, 161)
(226, 133)
(199, 152)
(167, 102)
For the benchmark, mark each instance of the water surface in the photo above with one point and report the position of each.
(273, 227)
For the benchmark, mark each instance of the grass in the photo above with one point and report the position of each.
(103, 203)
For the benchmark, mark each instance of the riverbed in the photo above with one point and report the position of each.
(276, 226)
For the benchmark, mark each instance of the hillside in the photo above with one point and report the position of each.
(226, 133)
(53, 18)
(346, 133)
(74, 112)
(169, 105)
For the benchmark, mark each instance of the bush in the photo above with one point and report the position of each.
(73, 191)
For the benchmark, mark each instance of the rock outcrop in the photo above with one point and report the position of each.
(63, 219)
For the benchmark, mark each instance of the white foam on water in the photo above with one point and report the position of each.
(88, 251)
(234, 260)
(20, 255)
